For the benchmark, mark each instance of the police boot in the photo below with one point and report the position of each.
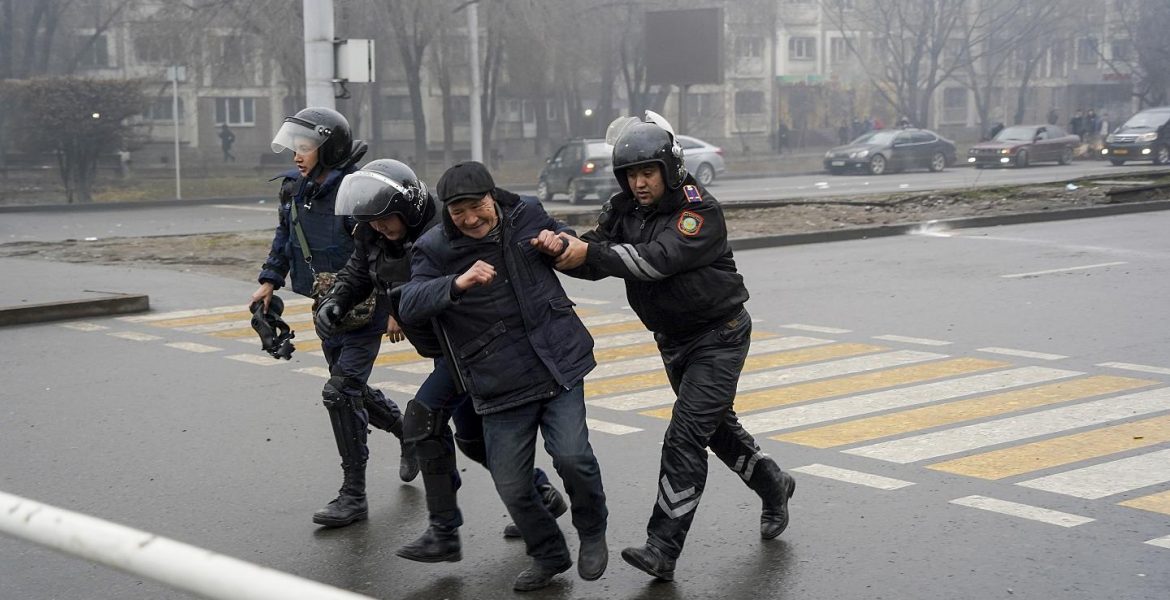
(436, 544)
(650, 560)
(538, 576)
(552, 500)
(350, 504)
(774, 487)
(385, 415)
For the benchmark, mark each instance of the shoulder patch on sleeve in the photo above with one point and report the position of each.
(692, 194)
(689, 223)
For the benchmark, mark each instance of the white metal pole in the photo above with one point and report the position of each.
(181, 566)
(318, 27)
(175, 114)
(476, 92)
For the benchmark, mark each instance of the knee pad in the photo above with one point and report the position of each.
(348, 422)
(420, 422)
(334, 395)
(474, 449)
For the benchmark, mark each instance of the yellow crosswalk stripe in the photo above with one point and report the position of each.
(646, 349)
(612, 328)
(954, 412)
(1159, 502)
(1063, 450)
(240, 315)
(397, 357)
(639, 381)
(853, 384)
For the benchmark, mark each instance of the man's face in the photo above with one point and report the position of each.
(304, 156)
(391, 227)
(646, 183)
(474, 218)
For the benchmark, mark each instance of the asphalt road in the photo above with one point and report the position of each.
(970, 415)
(129, 221)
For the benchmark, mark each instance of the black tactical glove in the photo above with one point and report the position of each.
(327, 319)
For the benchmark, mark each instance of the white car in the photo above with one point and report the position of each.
(702, 160)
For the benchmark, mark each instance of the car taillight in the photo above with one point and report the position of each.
(588, 167)
(719, 151)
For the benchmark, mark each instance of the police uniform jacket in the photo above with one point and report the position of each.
(516, 340)
(327, 235)
(674, 257)
(380, 265)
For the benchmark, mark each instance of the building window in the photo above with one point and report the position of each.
(94, 51)
(1119, 50)
(155, 48)
(701, 105)
(397, 108)
(802, 48)
(838, 50)
(749, 102)
(749, 47)
(460, 109)
(954, 105)
(1058, 59)
(162, 109)
(1087, 51)
(235, 111)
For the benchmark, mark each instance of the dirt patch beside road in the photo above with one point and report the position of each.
(239, 255)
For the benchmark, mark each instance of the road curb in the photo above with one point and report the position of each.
(119, 304)
(859, 233)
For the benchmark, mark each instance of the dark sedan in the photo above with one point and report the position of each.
(892, 150)
(1022, 145)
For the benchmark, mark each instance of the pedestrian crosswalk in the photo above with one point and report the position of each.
(903, 404)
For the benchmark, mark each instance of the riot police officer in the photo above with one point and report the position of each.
(311, 238)
(394, 208)
(666, 237)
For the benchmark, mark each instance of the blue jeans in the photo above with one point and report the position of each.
(511, 450)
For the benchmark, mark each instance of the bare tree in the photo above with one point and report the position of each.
(1145, 24)
(414, 23)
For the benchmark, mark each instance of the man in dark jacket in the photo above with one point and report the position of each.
(666, 237)
(394, 208)
(521, 352)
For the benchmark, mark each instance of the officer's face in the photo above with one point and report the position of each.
(392, 227)
(474, 218)
(646, 183)
(304, 156)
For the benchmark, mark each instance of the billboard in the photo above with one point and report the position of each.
(684, 47)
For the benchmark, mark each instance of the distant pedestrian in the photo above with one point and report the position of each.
(1053, 116)
(1076, 124)
(226, 139)
(781, 138)
(995, 129)
(843, 133)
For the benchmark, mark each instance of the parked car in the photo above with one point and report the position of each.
(703, 160)
(1145, 136)
(891, 150)
(1022, 145)
(577, 169)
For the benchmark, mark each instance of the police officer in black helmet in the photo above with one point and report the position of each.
(311, 238)
(394, 208)
(666, 237)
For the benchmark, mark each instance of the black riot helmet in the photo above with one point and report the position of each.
(636, 142)
(322, 129)
(382, 188)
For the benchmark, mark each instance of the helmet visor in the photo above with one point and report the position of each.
(617, 127)
(298, 136)
(366, 195)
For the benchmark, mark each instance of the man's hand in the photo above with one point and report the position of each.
(328, 317)
(549, 242)
(481, 273)
(262, 293)
(394, 331)
(574, 253)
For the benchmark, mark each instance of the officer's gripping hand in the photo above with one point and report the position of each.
(328, 317)
(481, 273)
(574, 253)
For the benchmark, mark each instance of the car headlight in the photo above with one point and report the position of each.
(1148, 137)
(1005, 151)
(859, 154)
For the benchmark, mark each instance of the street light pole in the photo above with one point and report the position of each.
(476, 118)
(175, 73)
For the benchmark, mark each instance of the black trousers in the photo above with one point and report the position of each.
(704, 371)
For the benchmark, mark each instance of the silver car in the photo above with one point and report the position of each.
(703, 160)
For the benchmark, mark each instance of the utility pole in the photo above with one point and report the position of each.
(175, 74)
(318, 22)
(476, 91)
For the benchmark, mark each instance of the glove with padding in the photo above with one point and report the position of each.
(327, 319)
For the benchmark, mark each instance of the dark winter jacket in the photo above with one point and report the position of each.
(674, 257)
(516, 340)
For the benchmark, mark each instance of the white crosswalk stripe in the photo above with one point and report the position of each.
(1012, 429)
(1023, 511)
(651, 363)
(856, 477)
(853, 406)
(1107, 479)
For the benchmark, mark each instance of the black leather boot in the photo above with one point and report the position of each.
(436, 544)
(538, 576)
(350, 504)
(651, 560)
(774, 487)
(553, 501)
